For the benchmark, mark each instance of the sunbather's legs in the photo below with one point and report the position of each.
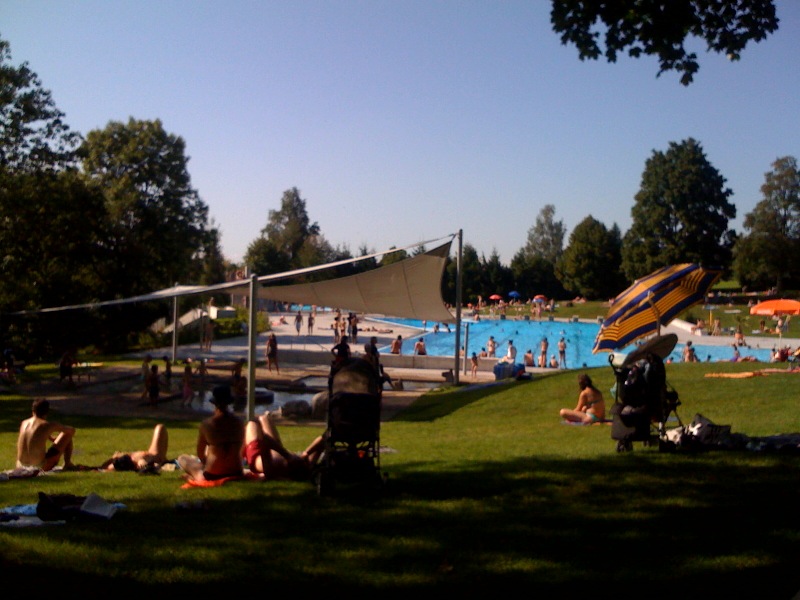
(159, 444)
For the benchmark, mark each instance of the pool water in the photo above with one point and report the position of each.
(279, 399)
(529, 334)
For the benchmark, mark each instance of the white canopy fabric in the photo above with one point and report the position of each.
(410, 288)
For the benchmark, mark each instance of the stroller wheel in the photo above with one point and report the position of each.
(624, 446)
(325, 483)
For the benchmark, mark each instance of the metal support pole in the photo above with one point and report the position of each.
(174, 327)
(252, 334)
(458, 306)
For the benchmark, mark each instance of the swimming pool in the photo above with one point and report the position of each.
(526, 335)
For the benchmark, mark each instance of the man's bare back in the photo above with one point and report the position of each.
(222, 438)
(34, 435)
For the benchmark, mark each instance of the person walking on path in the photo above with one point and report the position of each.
(272, 353)
(298, 321)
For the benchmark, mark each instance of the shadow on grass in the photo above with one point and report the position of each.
(640, 525)
(441, 403)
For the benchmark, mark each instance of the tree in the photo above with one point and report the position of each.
(660, 29)
(498, 277)
(52, 247)
(590, 266)
(472, 277)
(546, 237)
(765, 256)
(680, 214)
(289, 227)
(392, 257)
(159, 223)
(33, 135)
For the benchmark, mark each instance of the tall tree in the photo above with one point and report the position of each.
(160, 224)
(33, 135)
(765, 255)
(289, 227)
(680, 214)
(590, 266)
(546, 237)
(660, 29)
(499, 278)
(52, 247)
(472, 277)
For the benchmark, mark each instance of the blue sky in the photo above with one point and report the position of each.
(408, 120)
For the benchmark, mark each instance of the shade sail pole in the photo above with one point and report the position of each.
(174, 327)
(252, 334)
(458, 306)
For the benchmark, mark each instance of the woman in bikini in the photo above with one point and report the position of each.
(591, 407)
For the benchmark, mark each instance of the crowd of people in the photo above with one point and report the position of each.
(225, 445)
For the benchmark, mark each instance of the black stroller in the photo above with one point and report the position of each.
(643, 399)
(351, 452)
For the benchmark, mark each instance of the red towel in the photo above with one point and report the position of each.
(190, 483)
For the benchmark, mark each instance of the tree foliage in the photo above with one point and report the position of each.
(289, 240)
(765, 255)
(159, 224)
(33, 135)
(52, 249)
(661, 29)
(680, 214)
(590, 265)
(546, 237)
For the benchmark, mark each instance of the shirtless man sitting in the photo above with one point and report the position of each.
(36, 432)
(265, 452)
(219, 443)
(155, 455)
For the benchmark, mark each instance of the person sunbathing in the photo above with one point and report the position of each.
(153, 457)
(591, 408)
(36, 432)
(265, 453)
(219, 443)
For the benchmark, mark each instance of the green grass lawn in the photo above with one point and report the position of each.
(487, 492)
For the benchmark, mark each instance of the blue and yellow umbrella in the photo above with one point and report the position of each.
(652, 302)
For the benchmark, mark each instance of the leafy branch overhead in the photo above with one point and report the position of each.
(661, 29)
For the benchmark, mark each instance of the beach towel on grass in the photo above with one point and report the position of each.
(193, 483)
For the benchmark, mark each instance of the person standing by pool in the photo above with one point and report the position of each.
(188, 390)
(474, 361)
(562, 353)
(341, 352)
(397, 345)
(491, 347)
(543, 353)
(272, 352)
(310, 323)
(298, 321)
(371, 354)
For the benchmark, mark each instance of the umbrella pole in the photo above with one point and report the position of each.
(655, 312)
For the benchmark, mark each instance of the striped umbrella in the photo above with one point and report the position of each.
(652, 302)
